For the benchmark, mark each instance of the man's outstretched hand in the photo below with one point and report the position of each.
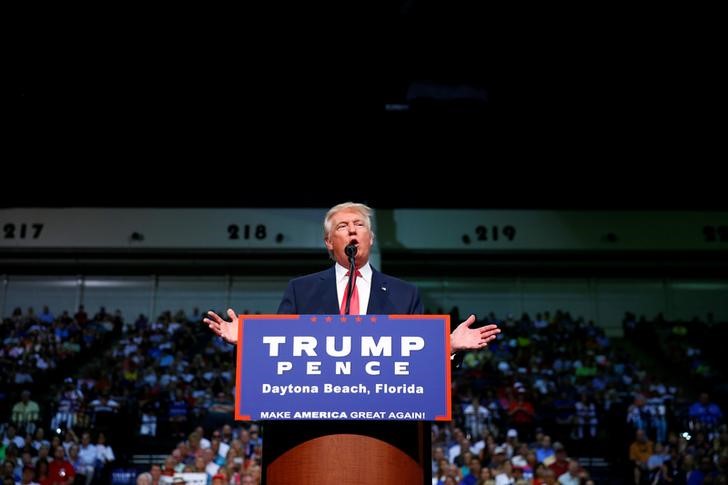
(462, 338)
(227, 330)
(466, 338)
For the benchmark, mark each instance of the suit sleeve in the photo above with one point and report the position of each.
(417, 307)
(288, 303)
(457, 360)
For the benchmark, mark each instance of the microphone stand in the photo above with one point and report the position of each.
(351, 252)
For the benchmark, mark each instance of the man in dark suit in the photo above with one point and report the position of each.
(375, 293)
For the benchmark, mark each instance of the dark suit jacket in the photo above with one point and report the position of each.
(315, 294)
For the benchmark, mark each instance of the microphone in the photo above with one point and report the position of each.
(350, 250)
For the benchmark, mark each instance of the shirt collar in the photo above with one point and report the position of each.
(366, 272)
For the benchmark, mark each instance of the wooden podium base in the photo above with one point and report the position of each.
(346, 452)
(344, 458)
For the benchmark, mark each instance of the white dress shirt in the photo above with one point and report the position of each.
(363, 285)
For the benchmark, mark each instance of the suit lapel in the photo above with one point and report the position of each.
(326, 294)
(379, 303)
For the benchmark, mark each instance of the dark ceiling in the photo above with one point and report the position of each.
(557, 107)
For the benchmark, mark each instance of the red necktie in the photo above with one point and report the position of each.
(354, 304)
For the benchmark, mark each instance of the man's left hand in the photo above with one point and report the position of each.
(466, 338)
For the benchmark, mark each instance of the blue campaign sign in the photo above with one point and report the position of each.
(370, 367)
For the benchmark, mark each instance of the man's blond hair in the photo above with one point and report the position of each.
(365, 211)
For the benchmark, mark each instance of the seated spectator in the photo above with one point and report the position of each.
(28, 476)
(156, 472)
(44, 453)
(46, 316)
(177, 414)
(89, 458)
(639, 452)
(70, 400)
(476, 418)
(219, 479)
(705, 412)
(61, 471)
(544, 450)
(146, 479)
(26, 413)
(81, 316)
(39, 439)
(11, 437)
(474, 467)
(74, 459)
(104, 452)
(572, 476)
(103, 412)
(42, 472)
(560, 464)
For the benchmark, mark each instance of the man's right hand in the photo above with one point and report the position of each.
(227, 330)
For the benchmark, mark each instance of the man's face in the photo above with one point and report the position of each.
(27, 475)
(348, 226)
